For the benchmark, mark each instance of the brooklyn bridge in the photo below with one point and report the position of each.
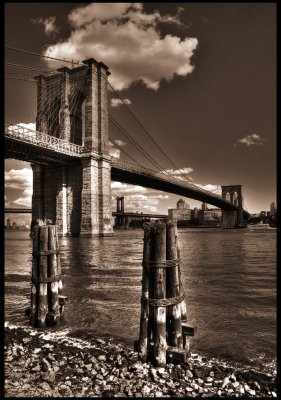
(74, 158)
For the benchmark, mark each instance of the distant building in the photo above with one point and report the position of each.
(273, 209)
(182, 212)
(14, 225)
(8, 223)
(182, 205)
(204, 206)
(194, 212)
(209, 217)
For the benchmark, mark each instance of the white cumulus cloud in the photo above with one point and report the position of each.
(128, 40)
(119, 102)
(252, 140)
(21, 179)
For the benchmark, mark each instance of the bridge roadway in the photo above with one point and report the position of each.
(28, 145)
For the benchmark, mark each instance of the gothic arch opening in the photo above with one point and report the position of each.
(235, 199)
(227, 196)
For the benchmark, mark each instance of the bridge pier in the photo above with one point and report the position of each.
(228, 219)
(232, 219)
(96, 198)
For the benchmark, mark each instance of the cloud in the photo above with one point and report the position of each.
(119, 102)
(113, 150)
(252, 140)
(128, 40)
(137, 198)
(20, 179)
(22, 127)
(49, 24)
(124, 188)
(210, 187)
(178, 173)
(23, 201)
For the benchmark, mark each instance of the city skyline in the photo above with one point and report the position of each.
(209, 110)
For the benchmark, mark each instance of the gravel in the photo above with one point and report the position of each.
(53, 364)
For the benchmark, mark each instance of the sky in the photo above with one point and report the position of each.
(201, 78)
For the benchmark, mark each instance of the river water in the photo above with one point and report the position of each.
(229, 278)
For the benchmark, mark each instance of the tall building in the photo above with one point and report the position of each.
(182, 205)
(8, 223)
(273, 208)
(182, 212)
(204, 206)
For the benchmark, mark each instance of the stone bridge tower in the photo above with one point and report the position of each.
(72, 105)
(231, 219)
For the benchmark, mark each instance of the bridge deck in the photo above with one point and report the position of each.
(25, 144)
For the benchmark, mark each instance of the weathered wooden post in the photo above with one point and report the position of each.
(163, 335)
(159, 320)
(145, 331)
(173, 287)
(46, 277)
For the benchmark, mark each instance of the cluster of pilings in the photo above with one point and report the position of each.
(46, 302)
(164, 332)
(163, 329)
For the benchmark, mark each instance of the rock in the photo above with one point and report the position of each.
(145, 390)
(158, 393)
(241, 390)
(45, 386)
(209, 379)
(189, 374)
(274, 394)
(107, 393)
(194, 386)
(102, 358)
(252, 392)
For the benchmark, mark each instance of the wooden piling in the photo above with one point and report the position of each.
(159, 331)
(163, 336)
(145, 327)
(53, 272)
(43, 274)
(175, 338)
(34, 284)
(46, 304)
(183, 302)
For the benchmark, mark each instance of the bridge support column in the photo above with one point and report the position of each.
(61, 202)
(96, 197)
(41, 120)
(228, 219)
(38, 193)
(64, 113)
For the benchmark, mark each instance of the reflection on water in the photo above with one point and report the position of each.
(229, 278)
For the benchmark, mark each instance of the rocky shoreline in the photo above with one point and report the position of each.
(53, 364)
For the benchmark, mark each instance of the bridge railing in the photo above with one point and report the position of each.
(25, 134)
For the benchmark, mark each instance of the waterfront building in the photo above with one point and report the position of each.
(209, 217)
(273, 209)
(8, 223)
(181, 213)
(14, 225)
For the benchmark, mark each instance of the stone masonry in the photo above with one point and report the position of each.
(230, 219)
(77, 198)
